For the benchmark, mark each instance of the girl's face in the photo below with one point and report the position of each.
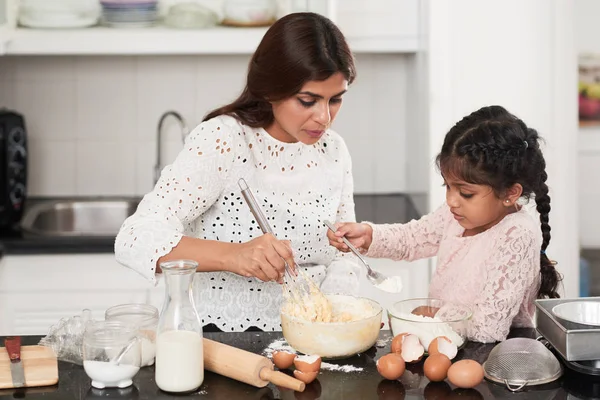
(306, 116)
(476, 207)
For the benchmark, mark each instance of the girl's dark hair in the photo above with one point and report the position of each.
(493, 147)
(297, 48)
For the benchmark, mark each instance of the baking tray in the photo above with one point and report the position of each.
(574, 342)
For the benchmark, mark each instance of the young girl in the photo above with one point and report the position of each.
(491, 252)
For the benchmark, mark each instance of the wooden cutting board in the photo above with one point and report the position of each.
(39, 363)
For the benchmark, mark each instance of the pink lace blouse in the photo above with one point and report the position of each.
(496, 273)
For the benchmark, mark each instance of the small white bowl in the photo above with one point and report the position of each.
(579, 312)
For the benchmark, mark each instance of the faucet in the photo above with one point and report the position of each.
(184, 132)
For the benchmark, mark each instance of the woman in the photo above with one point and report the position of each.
(276, 136)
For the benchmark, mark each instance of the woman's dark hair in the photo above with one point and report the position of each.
(297, 48)
(493, 147)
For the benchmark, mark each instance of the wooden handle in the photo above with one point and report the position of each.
(13, 347)
(241, 365)
(281, 379)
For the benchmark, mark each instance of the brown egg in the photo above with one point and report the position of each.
(283, 359)
(397, 343)
(442, 344)
(436, 367)
(391, 366)
(308, 363)
(465, 374)
(306, 377)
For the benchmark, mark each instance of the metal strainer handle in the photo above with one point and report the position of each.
(514, 388)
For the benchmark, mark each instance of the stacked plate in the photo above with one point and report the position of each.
(129, 13)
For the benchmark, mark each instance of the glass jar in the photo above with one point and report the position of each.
(179, 345)
(145, 318)
(111, 353)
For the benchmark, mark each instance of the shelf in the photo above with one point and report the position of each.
(165, 41)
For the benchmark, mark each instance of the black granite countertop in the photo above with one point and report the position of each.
(330, 385)
(378, 208)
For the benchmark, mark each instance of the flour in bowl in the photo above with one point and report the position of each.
(426, 328)
(330, 309)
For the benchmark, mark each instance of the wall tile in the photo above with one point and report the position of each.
(164, 84)
(106, 99)
(105, 168)
(49, 109)
(52, 167)
(44, 69)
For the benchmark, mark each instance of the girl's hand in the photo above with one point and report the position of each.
(360, 235)
(263, 258)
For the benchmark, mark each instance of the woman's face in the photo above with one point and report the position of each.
(306, 116)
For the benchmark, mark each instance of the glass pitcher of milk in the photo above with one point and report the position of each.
(179, 353)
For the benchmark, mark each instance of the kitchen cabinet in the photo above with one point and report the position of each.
(36, 291)
(378, 26)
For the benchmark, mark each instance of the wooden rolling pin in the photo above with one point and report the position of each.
(244, 366)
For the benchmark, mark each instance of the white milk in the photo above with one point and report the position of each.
(179, 361)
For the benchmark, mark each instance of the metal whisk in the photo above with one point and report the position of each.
(293, 288)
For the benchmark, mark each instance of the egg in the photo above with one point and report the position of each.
(465, 374)
(442, 344)
(283, 359)
(391, 366)
(436, 367)
(397, 343)
(306, 377)
(308, 363)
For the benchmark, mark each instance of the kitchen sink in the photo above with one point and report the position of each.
(90, 217)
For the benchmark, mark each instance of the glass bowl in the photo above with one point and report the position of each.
(429, 318)
(335, 340)
(111, 353)
(145, 318)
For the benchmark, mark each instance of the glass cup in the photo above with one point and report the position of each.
(111, 353)
(145, 318)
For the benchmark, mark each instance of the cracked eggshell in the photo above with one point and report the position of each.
(443, 345)
(409, 347)
(306, 377)
(283, 359)
(308, 363)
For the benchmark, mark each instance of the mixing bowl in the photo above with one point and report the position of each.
(335, 340)
(429, 318)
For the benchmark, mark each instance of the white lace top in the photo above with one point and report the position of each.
(496, 273)
(297, 185)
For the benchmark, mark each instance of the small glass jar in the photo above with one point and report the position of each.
(111, 353)
(145, 318)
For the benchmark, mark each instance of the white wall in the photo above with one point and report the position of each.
(587, 36)
(520, 55)
(92, 120)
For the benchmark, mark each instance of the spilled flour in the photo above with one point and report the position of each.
(282, 345)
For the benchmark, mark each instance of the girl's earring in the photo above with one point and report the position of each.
(507, 202)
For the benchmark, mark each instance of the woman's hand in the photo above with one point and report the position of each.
(360, 235)
(263, 257)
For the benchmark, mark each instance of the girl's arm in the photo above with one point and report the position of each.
(512, 269)
(410, 241)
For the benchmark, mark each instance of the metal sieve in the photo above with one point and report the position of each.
(519, 362)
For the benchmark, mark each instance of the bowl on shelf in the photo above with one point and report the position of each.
(429, 318)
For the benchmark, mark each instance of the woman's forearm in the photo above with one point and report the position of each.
(211, 255)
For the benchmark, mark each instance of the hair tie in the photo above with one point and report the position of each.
(543, 252)
(526, 144)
